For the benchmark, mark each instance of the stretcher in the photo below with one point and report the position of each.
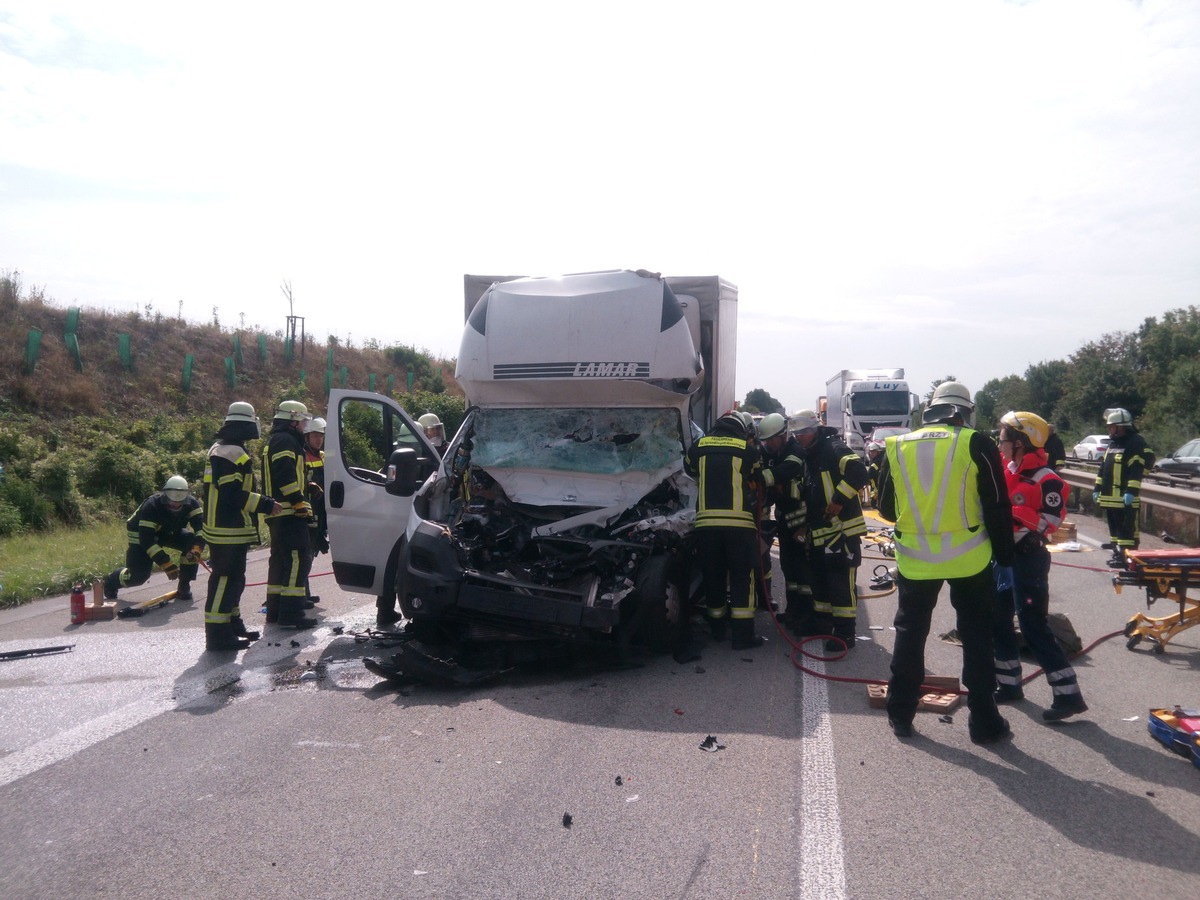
(1165, 574)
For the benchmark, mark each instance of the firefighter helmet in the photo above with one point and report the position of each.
(433, 427)
(1033, 426)
(291, 411)
(315, 425)
(429, 420)
(803, 420)
(771, 425)
(1117, 416)
(951, 400)
(733, 423)
(241, 411)
(176, 489)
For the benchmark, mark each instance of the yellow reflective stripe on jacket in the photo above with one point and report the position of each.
(939, 516)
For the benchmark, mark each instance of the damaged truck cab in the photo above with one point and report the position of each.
(561, 509)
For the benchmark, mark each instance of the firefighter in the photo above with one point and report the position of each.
(230, 526)
(1037, 496)
(435, 431)
(943, 485)
(170, 519)
(314, 468)
(727, 464)
(284, 481)
(783, 483)
(834, 477)
(1119, 484)
(874, 460)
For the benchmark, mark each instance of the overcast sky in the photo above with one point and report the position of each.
(962, 187)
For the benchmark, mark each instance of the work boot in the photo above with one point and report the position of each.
(997, 732)
(219, 638)
(272, 609)
(1064, 707)
(240, 629)
(313, 598)
(838, 644)
(291, 614)
(901, 729)
(744, 637)
(718, 628)
(184, 592)
(386, 613)
(1008, 693)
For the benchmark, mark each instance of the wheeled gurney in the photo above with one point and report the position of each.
(1165, 574)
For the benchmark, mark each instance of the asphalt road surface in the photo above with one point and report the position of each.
(136, 765)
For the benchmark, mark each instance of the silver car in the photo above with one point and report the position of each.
(1091, 447)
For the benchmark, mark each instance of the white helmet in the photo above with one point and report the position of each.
(291, 411)
(803, 420)
(771, 425)
(1117, 416)
(176, 489)
(315, 425)
(951, 400)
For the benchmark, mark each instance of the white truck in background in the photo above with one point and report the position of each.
(561, 508)
(857, 401)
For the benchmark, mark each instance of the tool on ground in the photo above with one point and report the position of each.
(140, 609)
(35, 651)
(1164, 574)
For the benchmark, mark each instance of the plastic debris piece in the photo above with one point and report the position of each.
(1131, 719)
(309, 676)
(633, 799)
(678, 711)
(949, 720)
(338, 629)
(567, 820)
(295, 643)
(699, 670)
(710, 745)
(1071, 546)
(415, 871)
(875, 627)
(619, 781)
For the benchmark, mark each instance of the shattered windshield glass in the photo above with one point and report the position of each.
(597, 441)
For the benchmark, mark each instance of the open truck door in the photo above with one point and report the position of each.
(376, 457)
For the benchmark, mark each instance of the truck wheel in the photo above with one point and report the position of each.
(659, 604)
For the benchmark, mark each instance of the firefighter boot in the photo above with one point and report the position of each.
(219, 638)
(291, 614)
(240, 629)
(183, 593)
(385, 612)
(272, 609)
(744, 637)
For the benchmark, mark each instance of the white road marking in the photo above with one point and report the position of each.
(822, 866)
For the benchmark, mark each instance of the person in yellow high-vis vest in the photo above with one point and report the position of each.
(943, 485)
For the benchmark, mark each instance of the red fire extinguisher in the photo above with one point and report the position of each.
(78, 611)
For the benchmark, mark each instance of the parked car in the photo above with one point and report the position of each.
(1184, 461)
(882, 433)
(1091, 447)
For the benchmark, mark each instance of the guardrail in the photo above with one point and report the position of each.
(1166, 507)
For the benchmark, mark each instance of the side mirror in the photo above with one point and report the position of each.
(403, 469)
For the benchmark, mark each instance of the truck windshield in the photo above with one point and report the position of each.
(879, 403)
(594, 440)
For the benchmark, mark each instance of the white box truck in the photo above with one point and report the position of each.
(561, 509)
(860, 400)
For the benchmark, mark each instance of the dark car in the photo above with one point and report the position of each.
(1184, 461)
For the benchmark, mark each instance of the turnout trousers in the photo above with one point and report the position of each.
(290, 561)
(728, 562)
(971, 598)
(1029, 600)
(225, 583)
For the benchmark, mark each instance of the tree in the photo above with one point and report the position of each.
(759, 400)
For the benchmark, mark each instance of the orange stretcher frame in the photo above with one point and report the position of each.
(1165, 574)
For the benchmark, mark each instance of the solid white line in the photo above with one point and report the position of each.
(822, 866)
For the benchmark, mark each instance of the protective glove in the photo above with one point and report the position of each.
(171, 569)
(1095, 496)
(1003, 576)
(1128, 499)
(301, 510)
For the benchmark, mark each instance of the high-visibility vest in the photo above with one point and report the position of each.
(939, 516)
